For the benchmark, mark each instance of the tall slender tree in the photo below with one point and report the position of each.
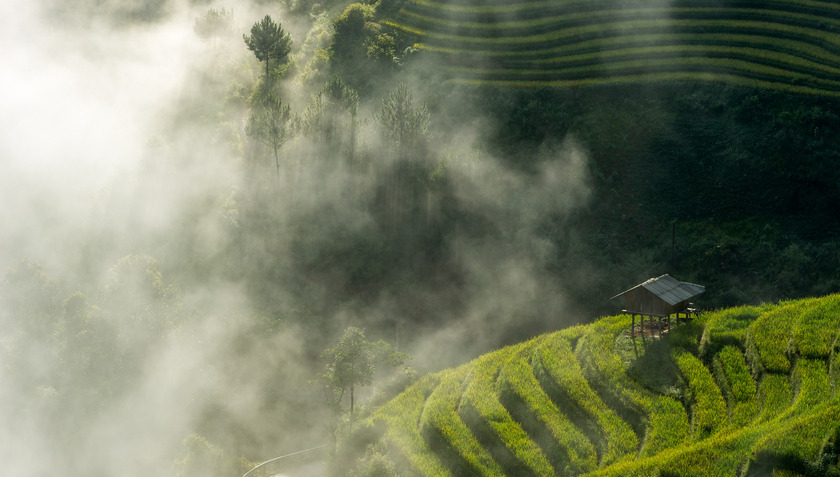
(273, 125)
(405, 127)
(402, 123)
(269, 42)
(331, 117)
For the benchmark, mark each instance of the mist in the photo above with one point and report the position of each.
(166, 296)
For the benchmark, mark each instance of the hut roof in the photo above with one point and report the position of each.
(669, 289)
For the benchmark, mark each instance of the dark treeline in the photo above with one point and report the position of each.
(731, 187)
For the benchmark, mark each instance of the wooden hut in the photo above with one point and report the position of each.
(660, 298)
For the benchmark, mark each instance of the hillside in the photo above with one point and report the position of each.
(741, 391)
(790, 45)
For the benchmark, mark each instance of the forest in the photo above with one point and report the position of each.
(201, 197)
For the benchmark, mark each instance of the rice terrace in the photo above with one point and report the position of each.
(741, 391)
(372, 238)
(791, 45)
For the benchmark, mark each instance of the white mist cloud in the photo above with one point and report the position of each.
(77, 106)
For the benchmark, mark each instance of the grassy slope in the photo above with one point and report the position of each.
(736, 390)
(791, 45)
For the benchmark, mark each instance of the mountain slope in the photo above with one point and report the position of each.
(791, 45)
(741, 391)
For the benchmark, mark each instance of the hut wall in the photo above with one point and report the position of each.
(644, 302)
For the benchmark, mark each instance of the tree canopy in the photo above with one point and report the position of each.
(401, 122)
(272, 124)
(352, 362)
(213, 23)
(269, 42)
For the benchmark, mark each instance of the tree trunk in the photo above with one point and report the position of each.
(351, 399)
(277, 164)
(352, 149)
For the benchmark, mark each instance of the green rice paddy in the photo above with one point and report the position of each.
(792, 45)
(754, 388)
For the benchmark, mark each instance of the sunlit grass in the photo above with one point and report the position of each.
(736, 382)
(667, 422)
(448, 423)
(556, 358)
(480, 396)
(517, 377)
(774, 395)
(768, 338)
(729, 326)
(814, 333)
(708, 407)
(401, 417)
(440, 418)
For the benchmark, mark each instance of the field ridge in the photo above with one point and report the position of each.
(791, 45)
(741, 391)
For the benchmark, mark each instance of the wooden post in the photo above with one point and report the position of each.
(632, 324)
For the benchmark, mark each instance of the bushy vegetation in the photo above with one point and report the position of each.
(743, 420)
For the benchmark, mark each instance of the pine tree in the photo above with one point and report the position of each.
(269, 42)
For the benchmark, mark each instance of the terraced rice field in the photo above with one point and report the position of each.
(791, 45)
(755, 390)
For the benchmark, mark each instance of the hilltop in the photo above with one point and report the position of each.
(740, 391)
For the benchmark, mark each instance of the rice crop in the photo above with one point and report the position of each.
(708, 406)
(556, 359)
(481, 407)
(401, 417)
(796, 40)
(567, 403)
(769, 336)
(517, 378)
(814, 333)
(445, 428)
(774, 395)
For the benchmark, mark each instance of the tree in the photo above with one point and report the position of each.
(348, 40)
(269, 42)
(403, 124)
(405, 127)
(352, 362)
(272, 125)
(213, 24)
(324, 118)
